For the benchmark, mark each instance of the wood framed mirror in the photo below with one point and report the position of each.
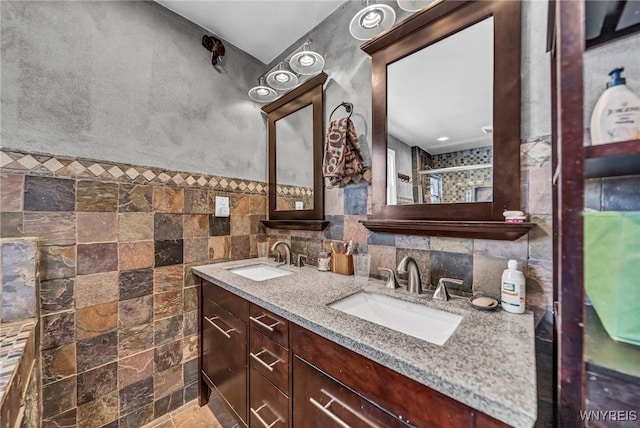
(446, 115)
(294, 133)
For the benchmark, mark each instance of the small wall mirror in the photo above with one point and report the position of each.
(446, 113)
(294, 161)
(294, 132)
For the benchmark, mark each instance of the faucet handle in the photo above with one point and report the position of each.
(299, 262)
(442, 293)
(392, 280)
(278, 257)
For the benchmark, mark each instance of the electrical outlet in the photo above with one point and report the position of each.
(299, 205)
(222, 206)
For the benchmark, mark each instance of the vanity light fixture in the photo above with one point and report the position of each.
(372, 20)
(413, 5)
(307, 62)
(262, 93)
(282, 79)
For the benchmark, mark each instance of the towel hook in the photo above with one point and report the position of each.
(347, 106)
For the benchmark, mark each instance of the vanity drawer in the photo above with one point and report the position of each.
(225, 299)
(268, 407)
(224, 355)
(320, 401)
(270, 359)
(269, 324)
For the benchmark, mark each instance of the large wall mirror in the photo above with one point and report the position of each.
(446, 113)
(294, 133)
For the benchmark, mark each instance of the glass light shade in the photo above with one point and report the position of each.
(262, 93)
(282, 79)
(306, 62)
(371, 21)
(413, 5)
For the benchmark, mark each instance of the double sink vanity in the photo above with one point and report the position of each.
(288, 346)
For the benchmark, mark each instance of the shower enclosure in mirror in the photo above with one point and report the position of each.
(446, 115)
(294, 133)
(440, 121)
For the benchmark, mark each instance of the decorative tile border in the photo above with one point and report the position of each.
(63, 166)
(293, 191)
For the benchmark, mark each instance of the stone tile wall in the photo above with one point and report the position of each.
(119, 338)
(18, 269)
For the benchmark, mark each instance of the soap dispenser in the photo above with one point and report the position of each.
(616, 116)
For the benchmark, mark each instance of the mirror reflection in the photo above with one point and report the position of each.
(294, 160)
(440, 121)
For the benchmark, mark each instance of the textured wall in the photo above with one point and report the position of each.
(129, 82)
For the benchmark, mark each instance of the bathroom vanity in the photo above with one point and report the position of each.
(280, 355)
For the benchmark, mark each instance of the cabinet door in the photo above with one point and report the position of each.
(319, 401)
(269, 407)
(269, 324)
(224, 355)
(270, 359)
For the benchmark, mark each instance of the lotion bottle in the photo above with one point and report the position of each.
(513, 289)
(616, 116)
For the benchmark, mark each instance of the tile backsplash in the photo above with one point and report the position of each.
(118, 304)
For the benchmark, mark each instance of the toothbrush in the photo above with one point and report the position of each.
(350, 247)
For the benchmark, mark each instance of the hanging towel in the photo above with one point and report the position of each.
(342, 155)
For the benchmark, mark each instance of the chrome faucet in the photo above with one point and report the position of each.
(408, 264)
(392, 281)
(300, 262)
(442, 293)
(287, 252)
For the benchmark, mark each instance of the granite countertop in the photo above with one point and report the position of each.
(488, 363)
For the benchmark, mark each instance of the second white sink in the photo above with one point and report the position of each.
(260, 272)
(433, 325)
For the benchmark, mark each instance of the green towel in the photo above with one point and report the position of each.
(612, 271)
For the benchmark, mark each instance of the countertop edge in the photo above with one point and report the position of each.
(472, 399)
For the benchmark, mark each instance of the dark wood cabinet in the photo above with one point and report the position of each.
(322, 402)
(269, 324)
(268, 406)
(270, 359)
(397, 394)
(224, 348)
(273, 373)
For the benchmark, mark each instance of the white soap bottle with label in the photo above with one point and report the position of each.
(616, 116)
(513, 289)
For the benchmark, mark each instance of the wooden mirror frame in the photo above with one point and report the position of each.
(420, 30)
(309, 93)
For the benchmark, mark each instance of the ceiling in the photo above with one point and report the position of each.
(445, 89)
(262, 28)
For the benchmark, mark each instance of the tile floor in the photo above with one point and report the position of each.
(191, 415)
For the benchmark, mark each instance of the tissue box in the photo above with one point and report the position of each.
(612, 271)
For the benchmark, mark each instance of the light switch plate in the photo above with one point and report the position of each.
(299, 205)
(222, 206)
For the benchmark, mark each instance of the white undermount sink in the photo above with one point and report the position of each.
(433, 325)
(260, 272)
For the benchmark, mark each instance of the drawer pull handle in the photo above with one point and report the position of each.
(325, 409)
(264, 364)
(262, 421)
(225, 332)
(263, 325)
